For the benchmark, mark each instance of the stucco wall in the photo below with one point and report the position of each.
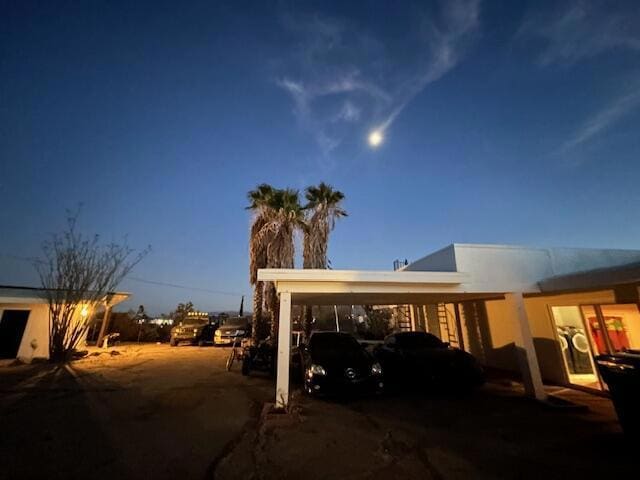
(504, 268)
(36, 330)
(443, 260)
(570, 260)
(512, 268)
(497, 347)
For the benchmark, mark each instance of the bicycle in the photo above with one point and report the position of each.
(236, 352)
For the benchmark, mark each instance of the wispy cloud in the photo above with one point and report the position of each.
(343, 79)
(603, 119)
(582, 29)
(446, 46)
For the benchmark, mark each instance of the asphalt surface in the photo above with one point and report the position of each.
(151, 411)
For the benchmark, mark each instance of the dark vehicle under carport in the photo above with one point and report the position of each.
(420, 360)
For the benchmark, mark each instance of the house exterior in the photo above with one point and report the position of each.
(539, 312)
(579, 303)
(24, 322)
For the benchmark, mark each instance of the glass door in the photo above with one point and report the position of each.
(578, 346)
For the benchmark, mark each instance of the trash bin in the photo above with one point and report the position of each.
(621, 373)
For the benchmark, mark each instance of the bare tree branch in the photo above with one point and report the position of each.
(77, 275)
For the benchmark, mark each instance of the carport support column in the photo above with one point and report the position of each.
(525, 348)
(105, 324)
(284, 351)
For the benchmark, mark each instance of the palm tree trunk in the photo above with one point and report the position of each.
(274, 311)
(307, 321)
(258, 326)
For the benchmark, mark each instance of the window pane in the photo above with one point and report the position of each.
(598, 342)
(623, 326)
(575, 346)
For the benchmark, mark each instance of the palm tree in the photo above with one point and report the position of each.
(323, 208)
(259, 204)
(284, 217)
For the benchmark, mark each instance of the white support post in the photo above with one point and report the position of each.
(525, 347)
(105, 325)
(284, 351)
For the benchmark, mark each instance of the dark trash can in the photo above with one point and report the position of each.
(621, 373)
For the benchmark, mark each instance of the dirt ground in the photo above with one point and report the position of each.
(150, 412)
(496, 433)
(157, 412)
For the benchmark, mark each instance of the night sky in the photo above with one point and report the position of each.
(503, 123)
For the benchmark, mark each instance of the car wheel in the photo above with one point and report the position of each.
(307, 389)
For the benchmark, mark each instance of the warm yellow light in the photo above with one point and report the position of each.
(375, 138)
(84, 311)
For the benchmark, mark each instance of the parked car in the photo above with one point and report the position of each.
(233, 328)
(195, 332)
(335, 363)
(420, 359)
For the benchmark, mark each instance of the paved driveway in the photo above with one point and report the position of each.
(150, 412)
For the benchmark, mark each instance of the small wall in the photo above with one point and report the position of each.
(36, 330)
(443, 260)
(492, 333)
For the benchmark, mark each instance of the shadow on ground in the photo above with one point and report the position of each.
(46, 422)
(494, 433)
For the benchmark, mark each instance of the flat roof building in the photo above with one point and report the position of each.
(540, 312)
(24, 321)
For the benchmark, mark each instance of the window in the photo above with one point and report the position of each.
(622, 324)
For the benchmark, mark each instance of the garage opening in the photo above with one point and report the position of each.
(12, 327)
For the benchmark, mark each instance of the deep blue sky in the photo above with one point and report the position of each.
(503, 123)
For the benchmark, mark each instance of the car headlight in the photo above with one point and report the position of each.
(376, 369)
(316, 370)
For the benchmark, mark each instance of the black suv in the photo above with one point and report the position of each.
(195, 331)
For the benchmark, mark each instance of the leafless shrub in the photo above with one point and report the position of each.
(76, 273)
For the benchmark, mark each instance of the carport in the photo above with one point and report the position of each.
(357, 287)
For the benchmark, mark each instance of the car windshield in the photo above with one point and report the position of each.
(330, 346)
(417, 341)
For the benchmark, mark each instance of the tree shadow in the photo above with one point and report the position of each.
(50, 430)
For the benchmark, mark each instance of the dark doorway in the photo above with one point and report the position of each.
(11, 329)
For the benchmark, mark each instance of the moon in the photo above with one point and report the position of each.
(375, 138)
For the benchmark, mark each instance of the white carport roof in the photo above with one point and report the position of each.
(363, 287)
(360, 287)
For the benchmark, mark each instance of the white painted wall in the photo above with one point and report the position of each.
(35, 339)
(443, 260)
(36, 330)
(513, 268)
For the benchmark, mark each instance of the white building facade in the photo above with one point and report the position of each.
(24, 322)
(542, 313)
(578, 305)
